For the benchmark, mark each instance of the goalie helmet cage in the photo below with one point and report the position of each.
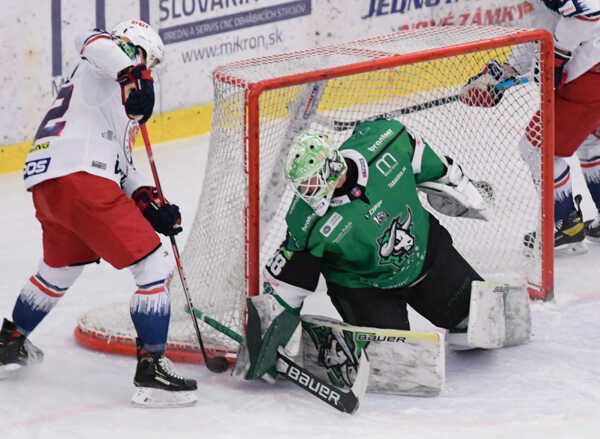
(261, 104)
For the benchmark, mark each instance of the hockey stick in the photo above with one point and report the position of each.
(217, 325)
(214, 364)
(500, 87)
(345, 400)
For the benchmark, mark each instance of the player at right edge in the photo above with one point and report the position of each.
(575, 26)
(356, 219)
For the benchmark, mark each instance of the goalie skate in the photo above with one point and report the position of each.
(16, 351)
(158, 386)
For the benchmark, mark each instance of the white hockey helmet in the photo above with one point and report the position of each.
(141, 34)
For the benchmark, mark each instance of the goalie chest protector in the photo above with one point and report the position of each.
(377, 234)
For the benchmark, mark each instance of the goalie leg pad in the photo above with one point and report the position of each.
(499, 315)
(402, 362)
(486, 327)
(517, 314)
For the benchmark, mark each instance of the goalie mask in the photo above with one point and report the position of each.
(140, 34)
(313, 169)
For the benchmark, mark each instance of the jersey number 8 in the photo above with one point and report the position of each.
(277, 263)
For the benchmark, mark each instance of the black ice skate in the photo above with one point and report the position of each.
(569, 234)
(592, 229)
(158, 385)
(15, 350)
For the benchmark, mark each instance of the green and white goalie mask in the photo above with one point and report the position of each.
(313, 169)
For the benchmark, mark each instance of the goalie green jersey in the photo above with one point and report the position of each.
(375, 232)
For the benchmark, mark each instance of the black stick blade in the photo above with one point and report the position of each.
(217, 364)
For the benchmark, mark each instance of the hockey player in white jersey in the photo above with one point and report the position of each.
(575, 25)
(92, 204)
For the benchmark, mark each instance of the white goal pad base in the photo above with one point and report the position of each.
(499, 315)
(402, 362)
(517, 313)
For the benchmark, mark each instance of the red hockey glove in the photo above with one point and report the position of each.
(165, 218)
(481, 90)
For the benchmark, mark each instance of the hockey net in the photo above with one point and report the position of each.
(414, 76)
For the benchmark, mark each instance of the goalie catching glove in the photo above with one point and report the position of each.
(455, 194)
(164, 217)
(481, 90)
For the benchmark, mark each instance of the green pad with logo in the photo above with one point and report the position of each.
(402, 362)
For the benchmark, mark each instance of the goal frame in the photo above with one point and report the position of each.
(545, 291)
(99, 335)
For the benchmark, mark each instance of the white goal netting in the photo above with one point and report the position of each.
(415, 76)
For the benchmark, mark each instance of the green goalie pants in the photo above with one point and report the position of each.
(441, 294)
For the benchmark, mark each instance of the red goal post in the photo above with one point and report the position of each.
(261, 104)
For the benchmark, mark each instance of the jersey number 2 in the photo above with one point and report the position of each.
(48, 127)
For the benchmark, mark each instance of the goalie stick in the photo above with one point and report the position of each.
(345, 400)
(214, 364)
(339, 125)
(217, 325)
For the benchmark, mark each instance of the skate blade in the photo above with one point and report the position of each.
(571, 249)
(9, 370)
(148, 397)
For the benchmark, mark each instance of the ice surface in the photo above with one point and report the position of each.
(548, 388)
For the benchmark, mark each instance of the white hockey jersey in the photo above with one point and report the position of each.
(87, 128)
(575, 25)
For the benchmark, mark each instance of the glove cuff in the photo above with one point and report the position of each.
(144, 196)
(454, 174)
